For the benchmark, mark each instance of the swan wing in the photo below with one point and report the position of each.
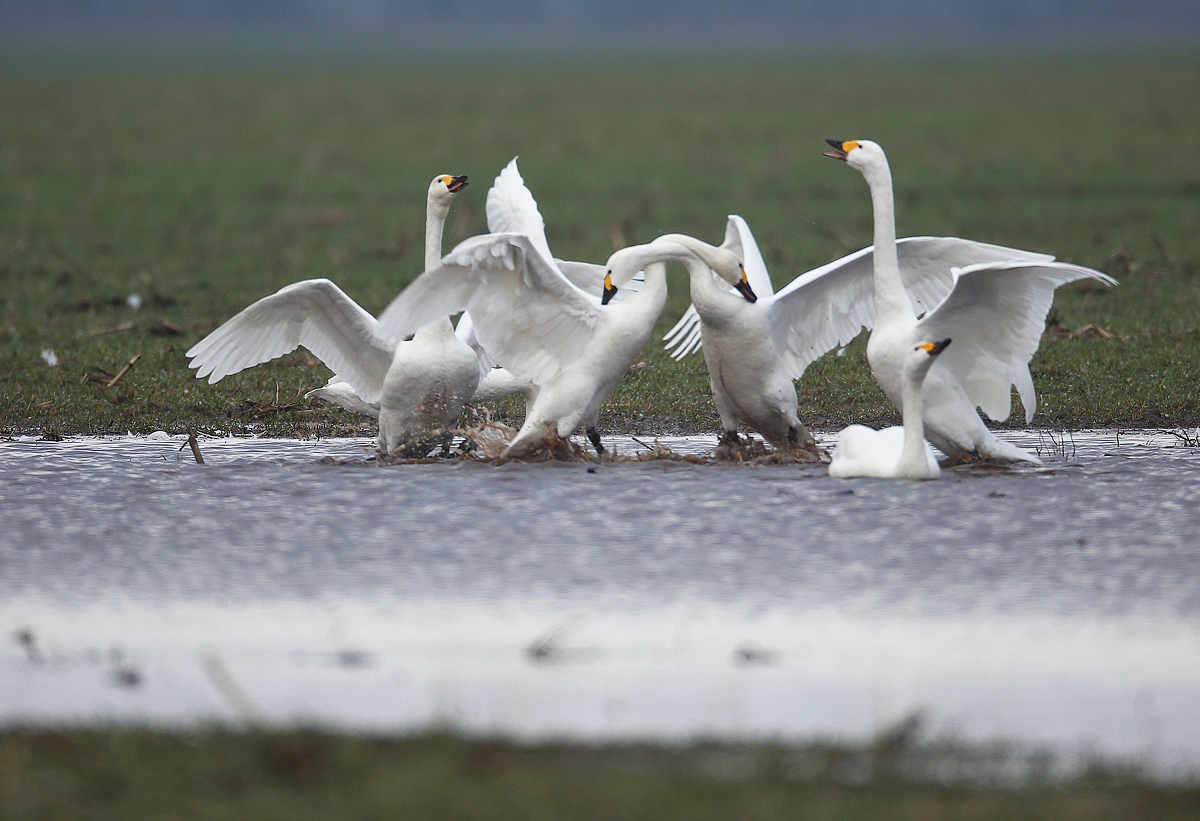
(740, 239)
(996, 314)
(465, 331)
(828, 306)
(526, 314)
(314, 313)
(511, 209)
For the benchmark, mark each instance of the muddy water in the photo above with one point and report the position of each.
(1055, 606)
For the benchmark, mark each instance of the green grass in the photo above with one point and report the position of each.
(202, 191)
(308, 775)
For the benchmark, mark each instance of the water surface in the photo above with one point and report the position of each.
(1055, 606)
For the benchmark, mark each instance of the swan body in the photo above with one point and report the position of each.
(898, 451)
(541, 326)
(419, 386)
(743, 354)
(994, 310)
(756, 351)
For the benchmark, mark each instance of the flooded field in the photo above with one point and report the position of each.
(1053, 607)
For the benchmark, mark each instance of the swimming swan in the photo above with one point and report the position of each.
(419, 385)
(898, 451)
(544, 328)
(995, 311)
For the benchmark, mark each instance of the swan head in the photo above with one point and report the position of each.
(623, 266)
(723, 260)
(445, 186)
(923, 356)
(861, 155)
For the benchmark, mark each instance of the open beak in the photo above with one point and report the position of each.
(609, 290)
(457, 184)
(838, 153)
(744, 289)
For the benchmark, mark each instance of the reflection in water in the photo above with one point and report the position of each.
(1058, 605)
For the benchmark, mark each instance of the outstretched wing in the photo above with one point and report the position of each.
(527, 315)
(830, 305)
(314, 313)
(996, 313)
(511, 209)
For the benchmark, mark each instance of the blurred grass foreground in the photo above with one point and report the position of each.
(141, 208)
(308, 774)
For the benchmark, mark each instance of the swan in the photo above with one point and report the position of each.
(898, 452)
(543, 327)
(742, 351)
(995, 311)
(419, 386)
(756, 350)
(827, 307)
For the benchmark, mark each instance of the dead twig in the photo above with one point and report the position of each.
(121, 373)
(195, 446)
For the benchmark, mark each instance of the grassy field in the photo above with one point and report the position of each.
(201, 191)
(310, 775)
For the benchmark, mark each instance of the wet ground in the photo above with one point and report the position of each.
(1055, 606)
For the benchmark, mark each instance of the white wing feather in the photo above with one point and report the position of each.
(996, 313)
(511, 209)
(526, 314)
(314, 313)
(829, 306)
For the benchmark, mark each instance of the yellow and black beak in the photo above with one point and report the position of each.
(841, 149)
(744, 289)
(458, 183)
(609, 290)
(934, 348)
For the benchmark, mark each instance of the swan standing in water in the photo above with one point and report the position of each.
(750, 384)
(895, 452)
(419, 385)
(544, 328)
(995, 312)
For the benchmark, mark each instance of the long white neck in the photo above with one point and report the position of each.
(435, 222)
(891, 300)
(913, 461)
(707, 290)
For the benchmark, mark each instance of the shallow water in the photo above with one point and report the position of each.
(1055, 606)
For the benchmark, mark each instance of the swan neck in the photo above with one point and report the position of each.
(912, 413)
(435, 221)
(891, 300)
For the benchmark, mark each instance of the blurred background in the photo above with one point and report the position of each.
(461, 28)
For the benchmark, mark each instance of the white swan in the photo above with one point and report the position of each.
(898, 452)
(751, 384)
(995, 312)
(827, 307)
(756, 350)
(543, 327)
(419, 386)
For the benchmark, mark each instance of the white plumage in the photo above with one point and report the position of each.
(419, 386)
(995, 311)
(899, 451)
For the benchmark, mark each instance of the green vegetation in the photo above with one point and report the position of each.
(202, 191)
(311, 775)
